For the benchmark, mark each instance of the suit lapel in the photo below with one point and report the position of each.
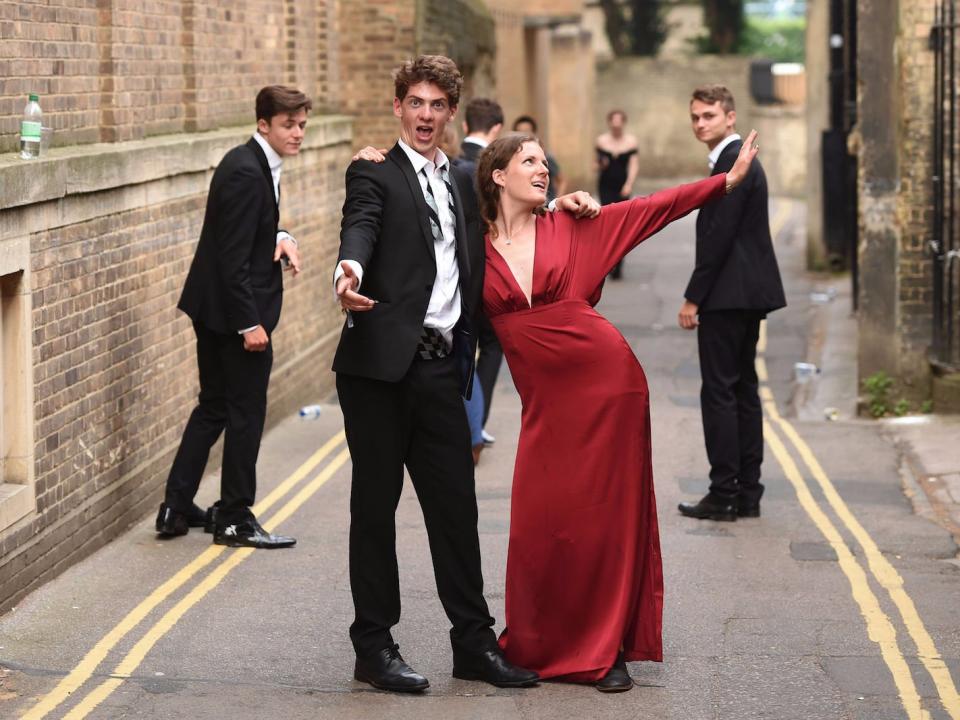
(397, 155)
(268, 176)
(463, 252)
(728, 157)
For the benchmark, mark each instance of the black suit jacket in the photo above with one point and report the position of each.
(234, 282)
(469, 158)
(386, 229)
(736, 268)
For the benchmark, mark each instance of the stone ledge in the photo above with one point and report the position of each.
(103, 166)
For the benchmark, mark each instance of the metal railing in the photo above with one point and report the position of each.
(944, 246)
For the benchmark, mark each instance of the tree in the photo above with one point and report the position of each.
(615, 24)
(648, 29)
(725, 22)
(634, 27)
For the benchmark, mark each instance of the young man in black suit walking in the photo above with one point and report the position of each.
(735, 283)
(233, 294)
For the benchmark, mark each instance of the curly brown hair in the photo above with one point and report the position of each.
(496, 156)
(437, 69)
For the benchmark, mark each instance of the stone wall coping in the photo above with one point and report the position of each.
(104, 166)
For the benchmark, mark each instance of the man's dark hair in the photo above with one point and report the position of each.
(276, 100)
(482, 114)
(711, 94)
(613, 113)
(437, 69)
(525, 119)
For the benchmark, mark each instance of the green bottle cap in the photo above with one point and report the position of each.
(34, 98)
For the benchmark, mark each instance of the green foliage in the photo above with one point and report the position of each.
(901, 408)
(926, 406)
(777, 39)
(725, 24)
(877, 387)
(780, 40)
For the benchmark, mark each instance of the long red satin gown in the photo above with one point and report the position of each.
(584, 573)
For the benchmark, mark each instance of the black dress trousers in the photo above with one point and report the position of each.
(418, 422)
(730, 403)
(233, 401)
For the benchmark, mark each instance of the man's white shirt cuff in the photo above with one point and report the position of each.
(338, 273)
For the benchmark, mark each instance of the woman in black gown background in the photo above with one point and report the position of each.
(617, 166)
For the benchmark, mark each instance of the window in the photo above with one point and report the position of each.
(17, 497)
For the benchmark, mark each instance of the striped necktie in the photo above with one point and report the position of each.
(432, 204)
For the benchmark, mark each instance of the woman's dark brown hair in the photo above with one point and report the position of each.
(497, 156)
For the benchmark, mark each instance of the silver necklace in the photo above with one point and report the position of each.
(509, 241)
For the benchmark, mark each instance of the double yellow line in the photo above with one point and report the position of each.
(85, 669)
(879, 626)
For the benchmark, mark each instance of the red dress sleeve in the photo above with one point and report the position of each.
(602, 242)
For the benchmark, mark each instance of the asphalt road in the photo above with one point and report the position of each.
(838, 603)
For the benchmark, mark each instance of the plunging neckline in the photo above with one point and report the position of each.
(512, 274)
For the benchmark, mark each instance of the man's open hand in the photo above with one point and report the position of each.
(288, 249)
(350, 300)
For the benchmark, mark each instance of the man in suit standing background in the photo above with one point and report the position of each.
(233, 295)
(483, 121)
(735, 283)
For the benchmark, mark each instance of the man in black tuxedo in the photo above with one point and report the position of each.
(483, 121)
(233, 294)
(411, 237)
(735, 283)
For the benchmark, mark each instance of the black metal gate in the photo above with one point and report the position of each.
(944, 245)
(839, 165)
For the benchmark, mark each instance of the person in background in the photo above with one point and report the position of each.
(482, 124)
(735, 283)
(617, 166)
(526, 125)
(233, 294)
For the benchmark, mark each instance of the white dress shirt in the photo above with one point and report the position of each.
(443, 310)
(715, 153)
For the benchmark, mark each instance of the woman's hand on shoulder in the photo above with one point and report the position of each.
(748, 151)
(371, 153)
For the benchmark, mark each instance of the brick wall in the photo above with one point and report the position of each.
(914, 268)
(114, 361)
(119, 70)
(145, 98)
(895, 69)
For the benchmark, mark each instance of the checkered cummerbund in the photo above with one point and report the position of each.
(431, 345)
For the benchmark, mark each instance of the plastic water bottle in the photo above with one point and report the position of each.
(31, 127)
(311, 412)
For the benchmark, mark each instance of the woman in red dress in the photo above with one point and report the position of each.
(584, 587)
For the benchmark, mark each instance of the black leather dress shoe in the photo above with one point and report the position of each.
(210, 519)
(617, 678)
(748, 511)
(171, 523)
(249, 534)
(386, 670)
(197, 517)
(492, 667)
(710, 508)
